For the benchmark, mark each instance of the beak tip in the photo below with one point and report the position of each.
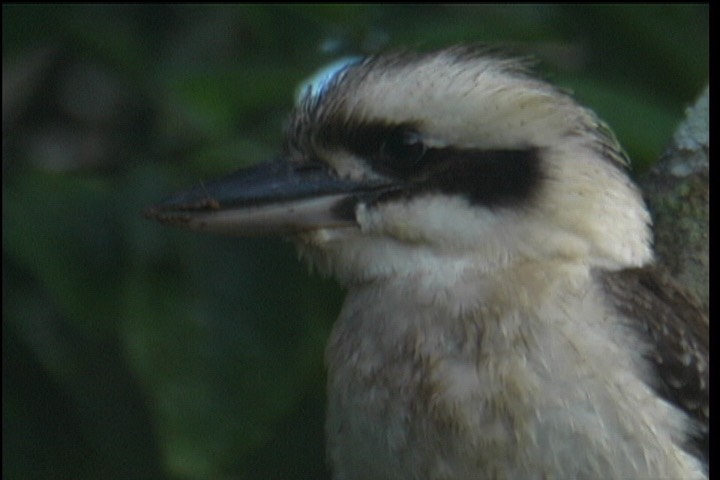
(181, 206)
(175, 218)
(159, 214)
(152, 213)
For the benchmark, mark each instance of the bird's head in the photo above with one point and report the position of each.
(407, 161)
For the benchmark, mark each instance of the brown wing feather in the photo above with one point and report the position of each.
(673, 321)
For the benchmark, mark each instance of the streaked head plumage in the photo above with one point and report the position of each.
(490, 158)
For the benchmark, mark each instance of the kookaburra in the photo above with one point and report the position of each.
(502, 318)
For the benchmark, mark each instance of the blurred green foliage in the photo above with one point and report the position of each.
(135, 351)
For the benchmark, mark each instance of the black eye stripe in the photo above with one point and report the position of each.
(487, 177)
(389, 149)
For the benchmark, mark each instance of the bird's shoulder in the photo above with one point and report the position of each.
(675, 326)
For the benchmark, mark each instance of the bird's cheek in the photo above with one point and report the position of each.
(388, 220)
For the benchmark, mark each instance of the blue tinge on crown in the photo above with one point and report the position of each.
(315, 86)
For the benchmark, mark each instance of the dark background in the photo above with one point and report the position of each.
(134, 351)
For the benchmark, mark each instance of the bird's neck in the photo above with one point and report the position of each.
(458, 287)
(498, 358)
(435, 313)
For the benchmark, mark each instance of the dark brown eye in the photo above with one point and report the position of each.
(401, 152)
(394, 150)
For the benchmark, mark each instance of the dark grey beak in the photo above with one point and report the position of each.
(278, 197)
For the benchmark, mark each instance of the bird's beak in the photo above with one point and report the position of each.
(278, 197)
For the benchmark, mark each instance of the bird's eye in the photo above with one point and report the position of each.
(402, 151)
(395, 150)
